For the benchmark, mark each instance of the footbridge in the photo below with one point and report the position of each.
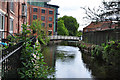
(66, 38)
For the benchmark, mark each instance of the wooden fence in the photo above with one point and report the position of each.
(99, 37)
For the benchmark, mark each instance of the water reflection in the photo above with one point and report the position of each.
(70, 63)
(101, 70)
(67, 62)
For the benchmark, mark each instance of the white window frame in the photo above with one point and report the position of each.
(12, 7)
(2, 23)
(11, 25)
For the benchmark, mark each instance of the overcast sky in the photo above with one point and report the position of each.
(72, 8)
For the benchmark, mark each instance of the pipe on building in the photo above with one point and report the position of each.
(8, 17)
(18, 17)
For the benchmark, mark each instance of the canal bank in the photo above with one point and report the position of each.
(106, 58)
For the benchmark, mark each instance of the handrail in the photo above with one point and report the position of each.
(9, 33)
(63, 37)
(2, 39)
(10, 54)
(2, 59)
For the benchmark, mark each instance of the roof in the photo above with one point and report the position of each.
(53, 5)
(38, 0)
(98, 24)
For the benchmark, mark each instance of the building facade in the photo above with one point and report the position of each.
(44, 12)
(12, 16)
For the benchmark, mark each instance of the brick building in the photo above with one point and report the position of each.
(12, 16)
(99, 26)
(46, 13)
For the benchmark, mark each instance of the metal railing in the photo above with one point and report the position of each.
(2, 34)
(10, 60)
(58, 37)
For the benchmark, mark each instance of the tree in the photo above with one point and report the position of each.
(71, 24)
(62, 30)
(79, 33)
(40, 31)
(108, 11)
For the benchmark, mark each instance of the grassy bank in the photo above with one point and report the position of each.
(109, 52)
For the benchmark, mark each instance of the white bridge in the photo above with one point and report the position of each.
(58, 37)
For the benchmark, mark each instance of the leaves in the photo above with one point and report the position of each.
(33, 65)
(71, 24)
(62, 30)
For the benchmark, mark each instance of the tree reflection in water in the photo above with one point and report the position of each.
(100, 69)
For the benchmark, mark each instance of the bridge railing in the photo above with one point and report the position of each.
(59, 37)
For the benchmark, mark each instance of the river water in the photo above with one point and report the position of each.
(67, 61)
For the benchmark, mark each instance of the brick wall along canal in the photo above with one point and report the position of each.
(67, 61)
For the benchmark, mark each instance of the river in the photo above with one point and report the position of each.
(67, 61)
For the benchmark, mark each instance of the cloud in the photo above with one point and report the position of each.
(72, 8)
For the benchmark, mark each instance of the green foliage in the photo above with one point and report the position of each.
(83, 46)
(112, 52)
(79, 33)
(109, 52)
(33, 65)
(40, 31)
(71, 24)
(103, 44)
(62, 30)
(97, 52)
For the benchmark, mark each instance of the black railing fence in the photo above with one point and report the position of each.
(11, 61)
(99, 37)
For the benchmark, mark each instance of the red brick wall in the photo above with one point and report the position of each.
(39, 14)
(14, 15)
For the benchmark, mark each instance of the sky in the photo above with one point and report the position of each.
(72, 8)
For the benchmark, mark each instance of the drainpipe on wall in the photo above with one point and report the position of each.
(47, 21)
(8, 17)
(18, 17)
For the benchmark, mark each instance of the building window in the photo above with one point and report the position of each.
(2, 26)
(34, 17)
(35, 9)
(50, 12)
(50, 25)
(43, 24)
(24, 10)
(12, 6)
(49, 33)
(43, 18)
(11, 25)
(43, 11)
(50, 18)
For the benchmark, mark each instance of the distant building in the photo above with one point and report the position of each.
(46, 13)
(12, 16)
(99, 26)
